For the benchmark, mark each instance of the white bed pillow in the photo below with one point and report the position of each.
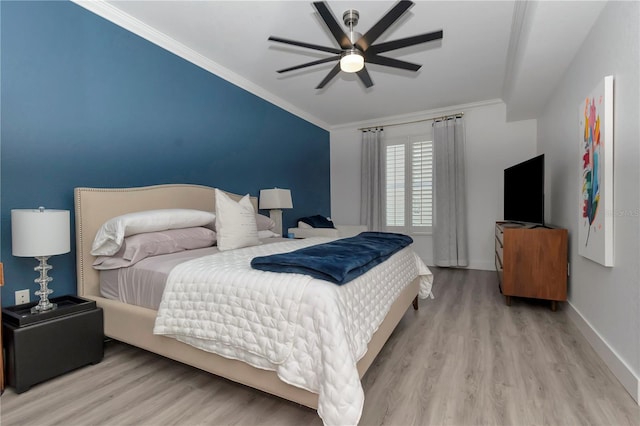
(235, 222)
(267, 234)
(111, 234)
(303, 225)
(264, 223)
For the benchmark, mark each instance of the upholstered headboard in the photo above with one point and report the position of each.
(94, 206)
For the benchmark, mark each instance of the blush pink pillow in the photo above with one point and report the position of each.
(140, 246)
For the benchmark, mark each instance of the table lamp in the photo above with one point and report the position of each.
(275, 200)
(40, 233)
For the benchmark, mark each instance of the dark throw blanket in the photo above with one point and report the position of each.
(339, 261)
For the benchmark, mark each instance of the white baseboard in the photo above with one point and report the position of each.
(482, 265)
(618, 367)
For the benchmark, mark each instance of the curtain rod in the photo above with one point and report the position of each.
(443, 117)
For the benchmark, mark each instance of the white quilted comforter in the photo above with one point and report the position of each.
(310, 332)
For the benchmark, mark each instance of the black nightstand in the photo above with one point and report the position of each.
(45, 345)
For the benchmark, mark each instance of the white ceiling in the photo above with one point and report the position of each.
(515, 51)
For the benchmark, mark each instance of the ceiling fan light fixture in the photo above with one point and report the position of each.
(355, 47)
(352, 61)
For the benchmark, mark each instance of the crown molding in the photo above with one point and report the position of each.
(420, 115)
(129, 23)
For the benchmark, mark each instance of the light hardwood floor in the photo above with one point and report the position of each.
(463, 359)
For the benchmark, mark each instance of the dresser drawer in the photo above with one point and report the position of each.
(499, 235)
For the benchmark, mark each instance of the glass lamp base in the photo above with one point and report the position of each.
(44, 305)
(43, 308)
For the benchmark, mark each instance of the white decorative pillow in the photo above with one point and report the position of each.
(111, 234)
(235, 222)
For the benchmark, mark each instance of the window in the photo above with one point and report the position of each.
(409, 185)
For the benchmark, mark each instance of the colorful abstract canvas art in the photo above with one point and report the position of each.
(596, 176)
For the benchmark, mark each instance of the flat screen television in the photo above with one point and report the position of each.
(524, 191)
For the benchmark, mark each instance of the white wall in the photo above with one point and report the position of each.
(604, 302)
(492, 144)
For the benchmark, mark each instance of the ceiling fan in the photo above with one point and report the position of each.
(357, 49)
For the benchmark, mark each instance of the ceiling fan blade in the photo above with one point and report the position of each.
(308, 64)
(383, 24)
(390, 62)
(307, 45)
(405, 42)
(365, 78)
(334, 71)
(332, 24)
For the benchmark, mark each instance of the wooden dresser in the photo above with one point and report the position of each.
(531, 261)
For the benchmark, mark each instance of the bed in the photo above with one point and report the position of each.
(135, 324)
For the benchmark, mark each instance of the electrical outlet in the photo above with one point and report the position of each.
(22, 297)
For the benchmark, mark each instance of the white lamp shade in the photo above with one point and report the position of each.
(275, 198)
(40, 232)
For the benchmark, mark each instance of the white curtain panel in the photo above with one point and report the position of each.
(371, 191)
(450, 246)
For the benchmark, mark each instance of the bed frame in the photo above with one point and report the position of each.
(134, 325)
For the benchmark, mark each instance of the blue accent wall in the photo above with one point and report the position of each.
(87, 103)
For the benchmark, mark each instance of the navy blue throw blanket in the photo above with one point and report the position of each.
(339, 261)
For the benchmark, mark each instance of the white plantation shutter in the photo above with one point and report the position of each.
(395, 183)
(421, 183)
(409, 185)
